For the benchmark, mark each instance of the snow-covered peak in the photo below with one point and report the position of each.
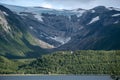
(94, 20)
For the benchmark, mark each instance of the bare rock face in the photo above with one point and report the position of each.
(3, 21)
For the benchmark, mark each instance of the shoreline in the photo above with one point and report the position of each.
(55, 75)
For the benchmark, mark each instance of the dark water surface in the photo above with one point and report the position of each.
(61, 77)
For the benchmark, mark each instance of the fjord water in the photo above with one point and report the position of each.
(62, 77)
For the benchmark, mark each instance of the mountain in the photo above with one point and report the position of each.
(54, 27)
(76, 29)
(15, 40)
(100, 32)
(32, 31)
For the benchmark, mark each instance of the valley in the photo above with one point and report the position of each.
(37, 40)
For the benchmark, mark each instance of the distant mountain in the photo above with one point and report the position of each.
(31, 31)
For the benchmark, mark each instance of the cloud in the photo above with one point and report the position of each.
(87, 4)
(47, 5)
(64, 4)
(69, 1)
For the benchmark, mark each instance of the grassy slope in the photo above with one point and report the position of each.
(7, 66)
(17, 44)
(11, 66)
(13, 46)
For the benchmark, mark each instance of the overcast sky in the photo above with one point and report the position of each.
(64, 4)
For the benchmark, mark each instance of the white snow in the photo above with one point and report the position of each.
(116, 15)
(39, 17)
(94, 20)
(62, 40)
(5, 13)
(31, 27)
(116, 22)
(80, 13)
(93, 11)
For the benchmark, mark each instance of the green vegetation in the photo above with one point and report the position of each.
(17, 44)
(11, 43)
(66, 62)
(8, 66)
(78, 62)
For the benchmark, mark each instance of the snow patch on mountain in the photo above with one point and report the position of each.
(116, 15)
(5, 13)
(31, 27)
(116, 22)
(39, 17)
(62, 40)
(94, 20)
(78, 12)
(93, 11)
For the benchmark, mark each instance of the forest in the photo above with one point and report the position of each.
(66, 62)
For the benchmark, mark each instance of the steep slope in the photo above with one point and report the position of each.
(75, 29)
(97, 28)
(54, 27)
(101, 30)
(14, 36)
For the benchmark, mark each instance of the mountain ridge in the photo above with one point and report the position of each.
(51, 30)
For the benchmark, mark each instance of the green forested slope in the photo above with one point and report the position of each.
(7, 66)
(78, 62)
(66, 62)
